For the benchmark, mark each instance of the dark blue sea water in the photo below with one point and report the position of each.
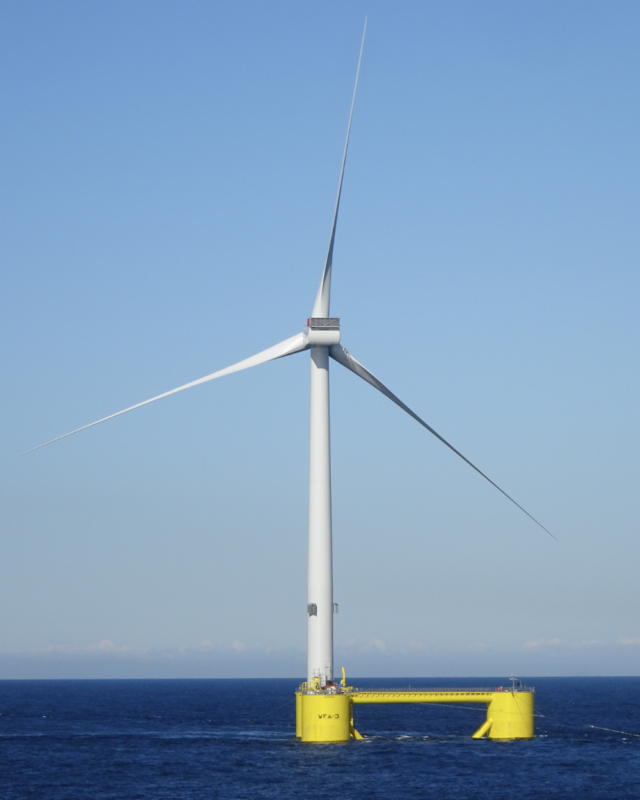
(61, 740)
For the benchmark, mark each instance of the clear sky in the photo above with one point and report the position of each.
(168, 173)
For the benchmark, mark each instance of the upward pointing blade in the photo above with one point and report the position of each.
(344, 357)
(321, 305)
(293, 345)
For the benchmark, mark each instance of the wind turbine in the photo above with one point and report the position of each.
(321, 336)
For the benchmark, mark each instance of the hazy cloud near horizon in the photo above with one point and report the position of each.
(239, 660)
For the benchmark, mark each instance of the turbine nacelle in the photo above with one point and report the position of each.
(323, 331)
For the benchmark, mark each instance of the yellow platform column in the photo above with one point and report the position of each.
(324, 717)
(511, 715)
(298, 715)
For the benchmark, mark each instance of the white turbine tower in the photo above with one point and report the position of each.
(322, 337)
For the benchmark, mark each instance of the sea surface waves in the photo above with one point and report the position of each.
(192, 739)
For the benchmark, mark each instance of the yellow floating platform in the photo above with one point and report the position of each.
(327, 715)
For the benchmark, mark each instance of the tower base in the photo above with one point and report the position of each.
(323, 717)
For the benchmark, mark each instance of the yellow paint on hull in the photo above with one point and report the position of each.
(482, 729)
(404, 696)
(511, 714)
(324, 717)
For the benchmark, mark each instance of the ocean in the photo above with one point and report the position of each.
(192, 739)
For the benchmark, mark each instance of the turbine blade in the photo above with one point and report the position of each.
(344, 357)
(290, 346)
(321, 305)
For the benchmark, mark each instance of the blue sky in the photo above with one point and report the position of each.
(168, 176)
